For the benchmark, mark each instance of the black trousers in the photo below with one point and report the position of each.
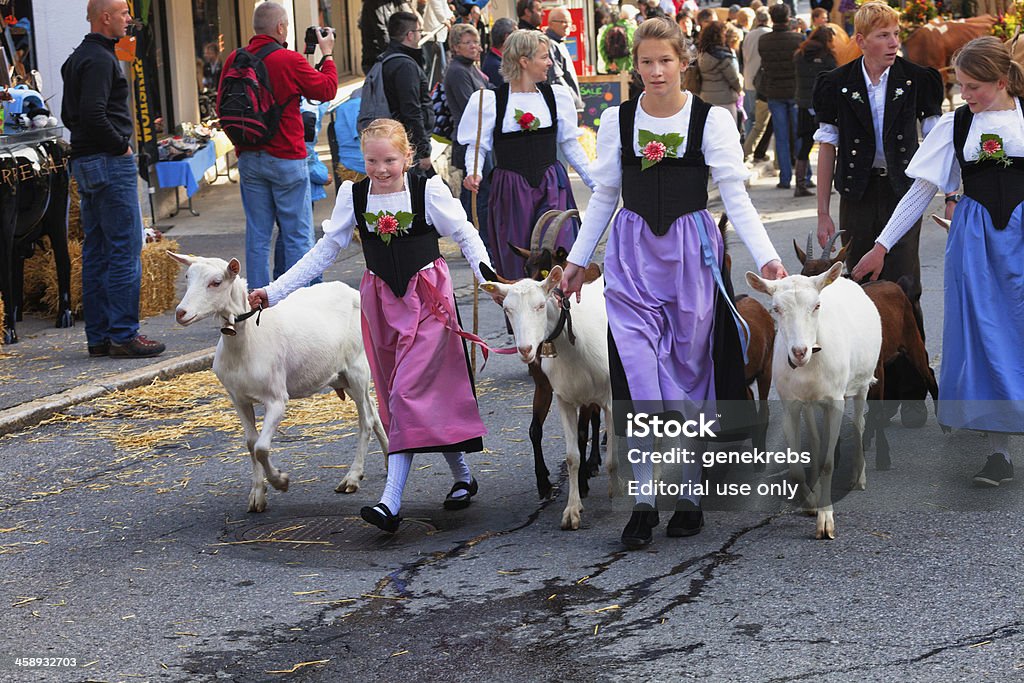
(863, 220)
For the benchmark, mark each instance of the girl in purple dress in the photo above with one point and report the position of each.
(526, 123)
(656, 152)
(413, 341)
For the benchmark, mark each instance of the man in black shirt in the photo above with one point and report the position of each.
(530, 14)
(95, 111)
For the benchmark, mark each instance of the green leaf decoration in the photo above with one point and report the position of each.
(646, 164)
(672, 142)
(644, 136)
(404, 219)
(370, 218)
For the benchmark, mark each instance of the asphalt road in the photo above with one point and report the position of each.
(126, 544)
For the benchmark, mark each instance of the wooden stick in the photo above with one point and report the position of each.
(476, 224)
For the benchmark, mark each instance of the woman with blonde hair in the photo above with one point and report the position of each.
(525, 123)
(980, 145)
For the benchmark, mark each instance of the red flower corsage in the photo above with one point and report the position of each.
(654, 148)
(992, 149)
(526, 120)
(388, 225)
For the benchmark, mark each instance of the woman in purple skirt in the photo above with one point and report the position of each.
(526, 122)
(661, 294)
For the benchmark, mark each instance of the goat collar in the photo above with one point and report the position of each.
(229, 325)
(564, 320)
(814, 350)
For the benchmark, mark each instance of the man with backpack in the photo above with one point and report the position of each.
(258, 104)
(400, 77)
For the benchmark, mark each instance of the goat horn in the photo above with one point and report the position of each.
(826, 252)
(810, 245)
(556, 228)
(538, 229)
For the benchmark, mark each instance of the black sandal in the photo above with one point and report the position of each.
(451, 502)
(380, 516)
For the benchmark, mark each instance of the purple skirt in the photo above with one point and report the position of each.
(661, 311)
(515, 207)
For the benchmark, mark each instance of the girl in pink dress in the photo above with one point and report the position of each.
(417, 358)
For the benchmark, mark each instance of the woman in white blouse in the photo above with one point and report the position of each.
(525, 122)
(661, 292)
(981, 144)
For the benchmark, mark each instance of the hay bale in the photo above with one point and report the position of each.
(343, 174)
(74, 213)
(37, 270)
(159, 275)
(51, 298)
(588, 140)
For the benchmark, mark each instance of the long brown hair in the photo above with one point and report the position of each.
(988, 59)
(820, 40)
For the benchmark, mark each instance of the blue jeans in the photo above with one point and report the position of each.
(111, 252)
(749, 102)
(274, 191)
(784, 120)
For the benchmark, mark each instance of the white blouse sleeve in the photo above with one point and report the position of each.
(724, 154)
(338, 228)
(468, 125)
(448, 217)
(827, 133)
(607, 174)
(568, 129)
(313, 264)
(935, 160)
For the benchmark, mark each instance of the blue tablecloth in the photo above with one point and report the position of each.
(188, 171)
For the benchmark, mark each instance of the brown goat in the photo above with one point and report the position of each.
(541, 257)
(760, 348)
(903, 371)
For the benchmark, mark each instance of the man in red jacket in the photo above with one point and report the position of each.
(274, 178)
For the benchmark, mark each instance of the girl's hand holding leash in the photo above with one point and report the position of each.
(258, 299)
(774, 270)
(572, 280)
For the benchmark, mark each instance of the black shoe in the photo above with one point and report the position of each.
(997, 470)
(139, 347)
(100, 350)
(810, 183)
(637, 533)
(380, 516)
(913, 414)
(687, 521)
(783, 186)
(453, 502)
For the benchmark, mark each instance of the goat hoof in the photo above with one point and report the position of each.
(257, 503)
(282, 482)
(883, 462)
(546, 491)
(571, 520)
(348, 485)
(826, 528)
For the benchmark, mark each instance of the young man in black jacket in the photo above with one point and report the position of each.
(95, 111)
(406, 87)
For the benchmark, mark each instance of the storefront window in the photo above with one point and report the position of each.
(335, 13)
(215, 30)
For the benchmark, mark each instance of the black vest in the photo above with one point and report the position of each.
(397, 262)
(673, 187)
(999, 189)
(526, 152)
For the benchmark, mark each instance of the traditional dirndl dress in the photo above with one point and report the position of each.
(418, 361)
(981, 379)
(528, 178)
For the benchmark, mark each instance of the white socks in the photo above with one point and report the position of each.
(460, 471)
(999, 442)
(643, 471)
(399, 465)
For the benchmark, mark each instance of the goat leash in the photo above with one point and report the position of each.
(564, 320)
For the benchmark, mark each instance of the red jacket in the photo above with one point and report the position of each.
(290, 76)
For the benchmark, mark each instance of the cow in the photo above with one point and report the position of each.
(33, 204)
(934, 44)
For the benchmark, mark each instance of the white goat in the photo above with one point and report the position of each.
(579, 372)
(832, 315)
(310, 340)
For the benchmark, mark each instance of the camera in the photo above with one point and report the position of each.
(311, 37)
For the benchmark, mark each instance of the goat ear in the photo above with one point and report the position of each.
(496, 290)
(759, 284)
(800, 253)
(234, 267)
(525, 253)
(182, 258)
(841, 256)
(830, 275)
(553, 278)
